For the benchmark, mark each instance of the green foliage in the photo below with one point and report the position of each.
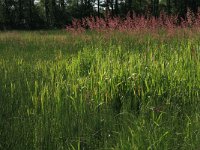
(91, 91)
(37, 14)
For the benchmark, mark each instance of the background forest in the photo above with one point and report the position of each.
(37, 14)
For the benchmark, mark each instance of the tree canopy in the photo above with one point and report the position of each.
(36, 14)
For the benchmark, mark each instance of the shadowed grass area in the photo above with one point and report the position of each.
(99, 91)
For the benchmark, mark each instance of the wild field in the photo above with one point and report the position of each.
(94, 90)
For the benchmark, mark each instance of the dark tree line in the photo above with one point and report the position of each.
(36, 14)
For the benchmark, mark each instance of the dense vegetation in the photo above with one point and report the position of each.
(138, 90)
(36, 14)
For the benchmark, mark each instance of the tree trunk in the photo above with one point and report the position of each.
(116, 7)
(129, 5)
(53, 14)
(169, 7)
(31, 4)
(47, 11)
(20, 11)
(152, 7)
(62, 5)
(112, 8)
(98, 8)
(107, 7)
(155, 7)
(7, 13)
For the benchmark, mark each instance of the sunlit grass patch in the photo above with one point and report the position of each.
(97, 91)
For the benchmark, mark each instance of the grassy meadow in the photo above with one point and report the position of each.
(98, 91)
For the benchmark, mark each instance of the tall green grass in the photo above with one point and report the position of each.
(93, 91)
